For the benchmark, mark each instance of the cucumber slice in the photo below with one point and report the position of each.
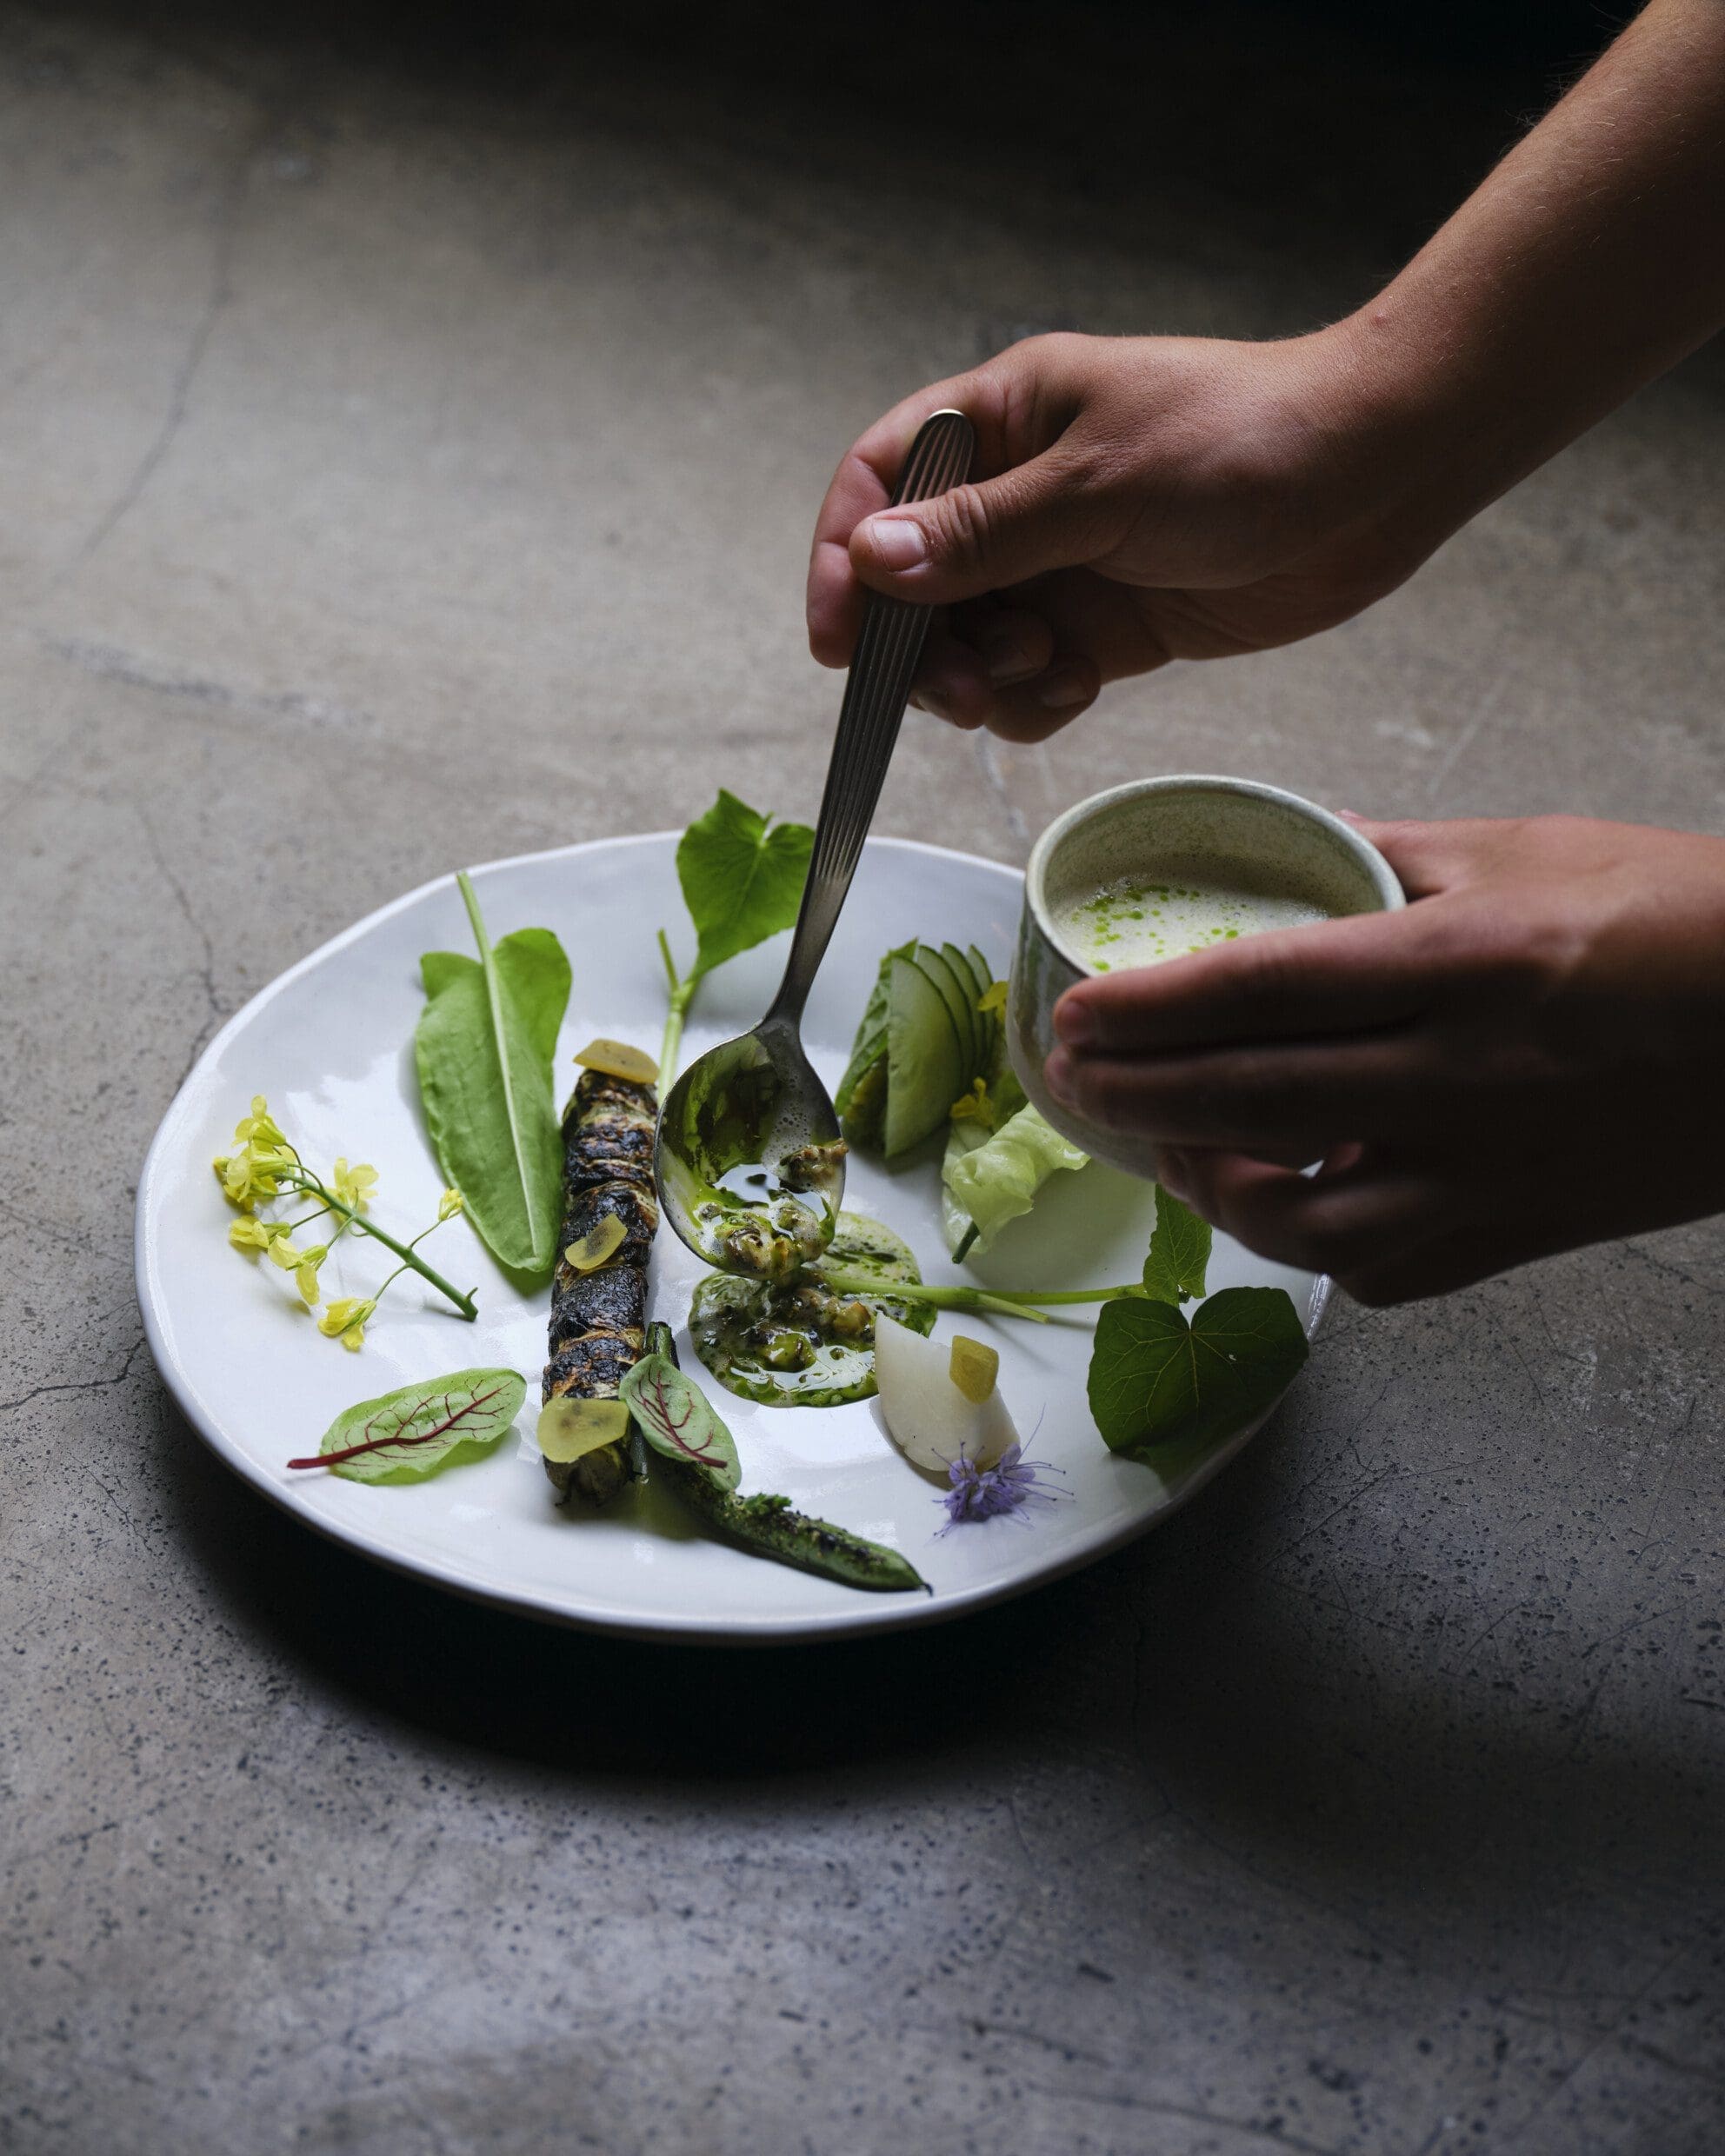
(990, 1018)
(952, 994)
(963, 963)
(925, 1057)
(981, 1022)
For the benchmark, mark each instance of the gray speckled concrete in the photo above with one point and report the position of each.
(388, 412)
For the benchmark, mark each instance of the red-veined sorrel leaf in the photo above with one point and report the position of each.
(411, 1433)
(676, 1419)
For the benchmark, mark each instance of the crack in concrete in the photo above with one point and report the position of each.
(1464, 740)
(1664, 1265)
(216, 1010)
(108, 663)
(1248, 2129)
(80, 1385)
(1565, 2076)
(206, 972)
(228, 210)
(80, 1246)
(1019, 2034)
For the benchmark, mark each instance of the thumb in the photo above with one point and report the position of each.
(978, 538)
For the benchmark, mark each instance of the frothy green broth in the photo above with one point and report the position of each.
(1171, 912)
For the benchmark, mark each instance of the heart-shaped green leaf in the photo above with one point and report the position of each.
(741, 876)
(1154, 1378)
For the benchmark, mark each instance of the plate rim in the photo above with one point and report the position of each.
(876, 1614)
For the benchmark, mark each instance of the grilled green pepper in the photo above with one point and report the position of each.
(770, 1527)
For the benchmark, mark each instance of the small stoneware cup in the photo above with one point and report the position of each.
(1237, 830)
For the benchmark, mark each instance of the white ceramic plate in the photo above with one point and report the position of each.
(330, 1045)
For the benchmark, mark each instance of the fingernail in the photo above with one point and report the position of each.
(897, 543)
(1005, 657)
(1059, 692)
(1075, 1023)
(1171, 1172)
(1058, 1072)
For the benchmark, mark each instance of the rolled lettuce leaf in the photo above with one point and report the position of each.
(987, 1180)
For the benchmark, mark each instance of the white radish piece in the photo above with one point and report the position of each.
(928, 1417)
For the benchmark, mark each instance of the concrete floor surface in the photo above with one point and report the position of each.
(408, 436)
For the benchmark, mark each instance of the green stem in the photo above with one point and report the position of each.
(304, 1180)
(682, 994)
(1066, 1294)
(955, 1298)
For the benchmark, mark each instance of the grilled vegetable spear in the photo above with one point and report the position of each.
(770, 1527)
(599, 1291)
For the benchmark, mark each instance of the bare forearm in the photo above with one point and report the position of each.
(1591, 260)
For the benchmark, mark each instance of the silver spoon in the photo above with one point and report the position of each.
(749, 1135)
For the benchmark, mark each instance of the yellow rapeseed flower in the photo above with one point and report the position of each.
(250, 1174)
(247, 1233)
(345, 1320)
(353, 1186)
(260, 1126)
(305, 1273)
(449, 1204)
(975, 1106)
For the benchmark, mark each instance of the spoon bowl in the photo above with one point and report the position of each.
(748, 1159)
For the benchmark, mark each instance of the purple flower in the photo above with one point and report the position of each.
(1011, 1484)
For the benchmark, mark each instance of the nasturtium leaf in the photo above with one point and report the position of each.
(677, 1420)
(741, 876)
(1154, 1378)
(484, 1048)
(409, 1433)
(1180, 1252)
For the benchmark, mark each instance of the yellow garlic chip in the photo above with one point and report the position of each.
(615, 1059)
(569, 1428)
(974, 1368)
(589, 1251)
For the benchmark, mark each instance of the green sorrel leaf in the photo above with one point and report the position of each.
(483, 1047)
